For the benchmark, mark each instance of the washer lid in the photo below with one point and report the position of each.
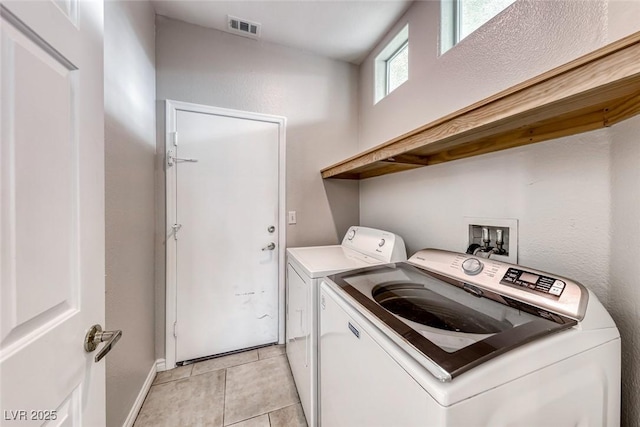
(415, 302)
(452, 326)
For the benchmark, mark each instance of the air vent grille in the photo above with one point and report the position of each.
(243, 27)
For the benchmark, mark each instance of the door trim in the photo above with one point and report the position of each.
(171, 109)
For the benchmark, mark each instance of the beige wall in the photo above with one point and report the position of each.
(576, 198)
(318, 96)
(130, 148)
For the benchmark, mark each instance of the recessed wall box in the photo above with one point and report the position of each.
(495, 236)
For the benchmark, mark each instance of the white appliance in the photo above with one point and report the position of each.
(450, 339)
(361, 247)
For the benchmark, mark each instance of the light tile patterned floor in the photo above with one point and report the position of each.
(250, 389)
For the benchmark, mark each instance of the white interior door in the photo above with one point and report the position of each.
(52, 212)
(227, 246)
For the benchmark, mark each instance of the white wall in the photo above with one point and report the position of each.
(624, 280)
(318, 96)
(130, 148)
(576, 198)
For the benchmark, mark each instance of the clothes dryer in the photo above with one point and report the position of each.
(306, 266)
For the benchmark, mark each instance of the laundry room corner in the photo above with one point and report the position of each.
(624, 291)
(340, 196)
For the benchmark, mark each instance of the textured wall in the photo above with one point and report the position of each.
(576, 198)
(528, 38)
(129, 166)
(318, 96)
(624, 291)
(559, 192)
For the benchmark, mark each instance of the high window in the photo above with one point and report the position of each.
(392, 65)
(462, 17)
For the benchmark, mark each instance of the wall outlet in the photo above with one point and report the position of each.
(509, 227)
(291, 218)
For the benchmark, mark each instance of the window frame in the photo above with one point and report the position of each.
(397, 52)
(391, 49)
(455, 25)
(450, 23)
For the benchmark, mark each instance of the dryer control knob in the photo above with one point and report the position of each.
(381, 243)
(351, 234)
(472, 266)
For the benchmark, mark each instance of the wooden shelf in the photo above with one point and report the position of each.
(597, 90)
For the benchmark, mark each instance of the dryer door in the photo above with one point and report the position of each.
(298, 334)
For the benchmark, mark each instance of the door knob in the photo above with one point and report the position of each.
(271, 246)
(95, 336)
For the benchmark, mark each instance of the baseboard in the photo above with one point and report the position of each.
(161, 365)
(137, 405)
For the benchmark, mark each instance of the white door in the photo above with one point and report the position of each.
(52, 212)
(227, 245)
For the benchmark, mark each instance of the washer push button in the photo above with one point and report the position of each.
(511, 276)
(557, 288)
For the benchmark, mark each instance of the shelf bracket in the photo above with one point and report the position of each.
(408, 159)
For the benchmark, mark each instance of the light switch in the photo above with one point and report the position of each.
(292, 218)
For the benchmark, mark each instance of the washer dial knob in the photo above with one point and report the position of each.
(351, 234)
(472, 266)
(381, 243)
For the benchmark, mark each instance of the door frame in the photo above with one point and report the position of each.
(171, 109)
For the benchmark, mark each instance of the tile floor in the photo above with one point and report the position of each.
(250, 389)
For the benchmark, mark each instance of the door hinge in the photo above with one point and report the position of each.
(175, 138)
(175, 329)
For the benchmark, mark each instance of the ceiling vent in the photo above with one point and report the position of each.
(243, 27)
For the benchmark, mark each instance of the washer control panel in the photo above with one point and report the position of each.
(472, 266)
(535, 282)
(379, 244)
(540, 289)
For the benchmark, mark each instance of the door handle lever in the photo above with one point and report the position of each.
(172, 160)
(95, 336)
(271, 246)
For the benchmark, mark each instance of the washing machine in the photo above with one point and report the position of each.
(306, 266)
(448, 339)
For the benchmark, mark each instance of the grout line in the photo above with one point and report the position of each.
(224, 397)
(226, 367)
(266, 413)
(175, 379)
(272, 356)
(248, 419)
(233, 366)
